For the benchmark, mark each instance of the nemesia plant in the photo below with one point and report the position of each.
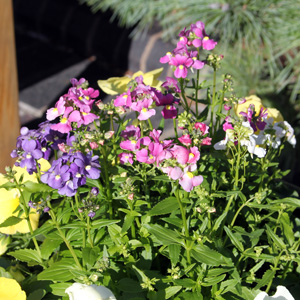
(194, 208)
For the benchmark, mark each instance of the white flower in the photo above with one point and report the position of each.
(290, 134)
(79, 291)
(222, 144)
(282, 293)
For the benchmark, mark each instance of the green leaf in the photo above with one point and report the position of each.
(290, 201)
(164, 207)
(164, 235)
(287, 228)
(37, 294)
(267, 277)
(219, 221)
(171, 291)
(48, 246)
(11, 221)
(275, 238)
(90, 256)
(161, 124)
(161, 178)
(209, 281)
(234, 239)
(34, 187)
(209, 256)
(185, 282)
(26, 255)
(101, 223)
(59, 271)
(174, 252)
(58, 289)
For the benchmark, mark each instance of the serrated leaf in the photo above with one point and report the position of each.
(267, 277)
(209, 256)
(219, 221)
(164, 207)
(164, 235)
(26, 255)
(234, 239)
(11, 221)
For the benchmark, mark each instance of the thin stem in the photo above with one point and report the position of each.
(187, 108)
(89, 230)
(175, 128)
(185, 225)
(213, 101)
(108, 189)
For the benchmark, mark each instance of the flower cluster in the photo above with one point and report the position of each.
(183, 57)
(254, 129)
(143, 98)
(33, 145)
(74, 108)
(70, 171)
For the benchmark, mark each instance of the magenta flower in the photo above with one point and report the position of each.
(64, 126)
(169, 112)
(181, 63)
(202, 127)
(131, 145)
(171, 85)
(206, 141)
(123, 100)
(166, 58)
(208, 44)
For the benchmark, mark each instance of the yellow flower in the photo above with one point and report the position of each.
(118, 85)
(10, 289)
(253, 99)
(9, 202)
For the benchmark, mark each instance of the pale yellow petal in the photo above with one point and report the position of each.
(275, 114)
(11, 290)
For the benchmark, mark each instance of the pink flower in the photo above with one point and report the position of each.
(185, 140)
(188, 181)
(165, 59)
(130, 145)
(208, 44)
(194, 155)
(126, 158)
(202, 127)
(181, 63)
(206, 141)
(227, 126)
(123, 100)
(173, 172)
(64, 126)
(181, 154)
(56, 111)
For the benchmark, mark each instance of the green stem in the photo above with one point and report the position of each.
(175, 128)
(150, 124)
(213, 101)
(89, 230)
(185, 225)
(108, 189)
(61, 233)
(237, 166)
(187, 108)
